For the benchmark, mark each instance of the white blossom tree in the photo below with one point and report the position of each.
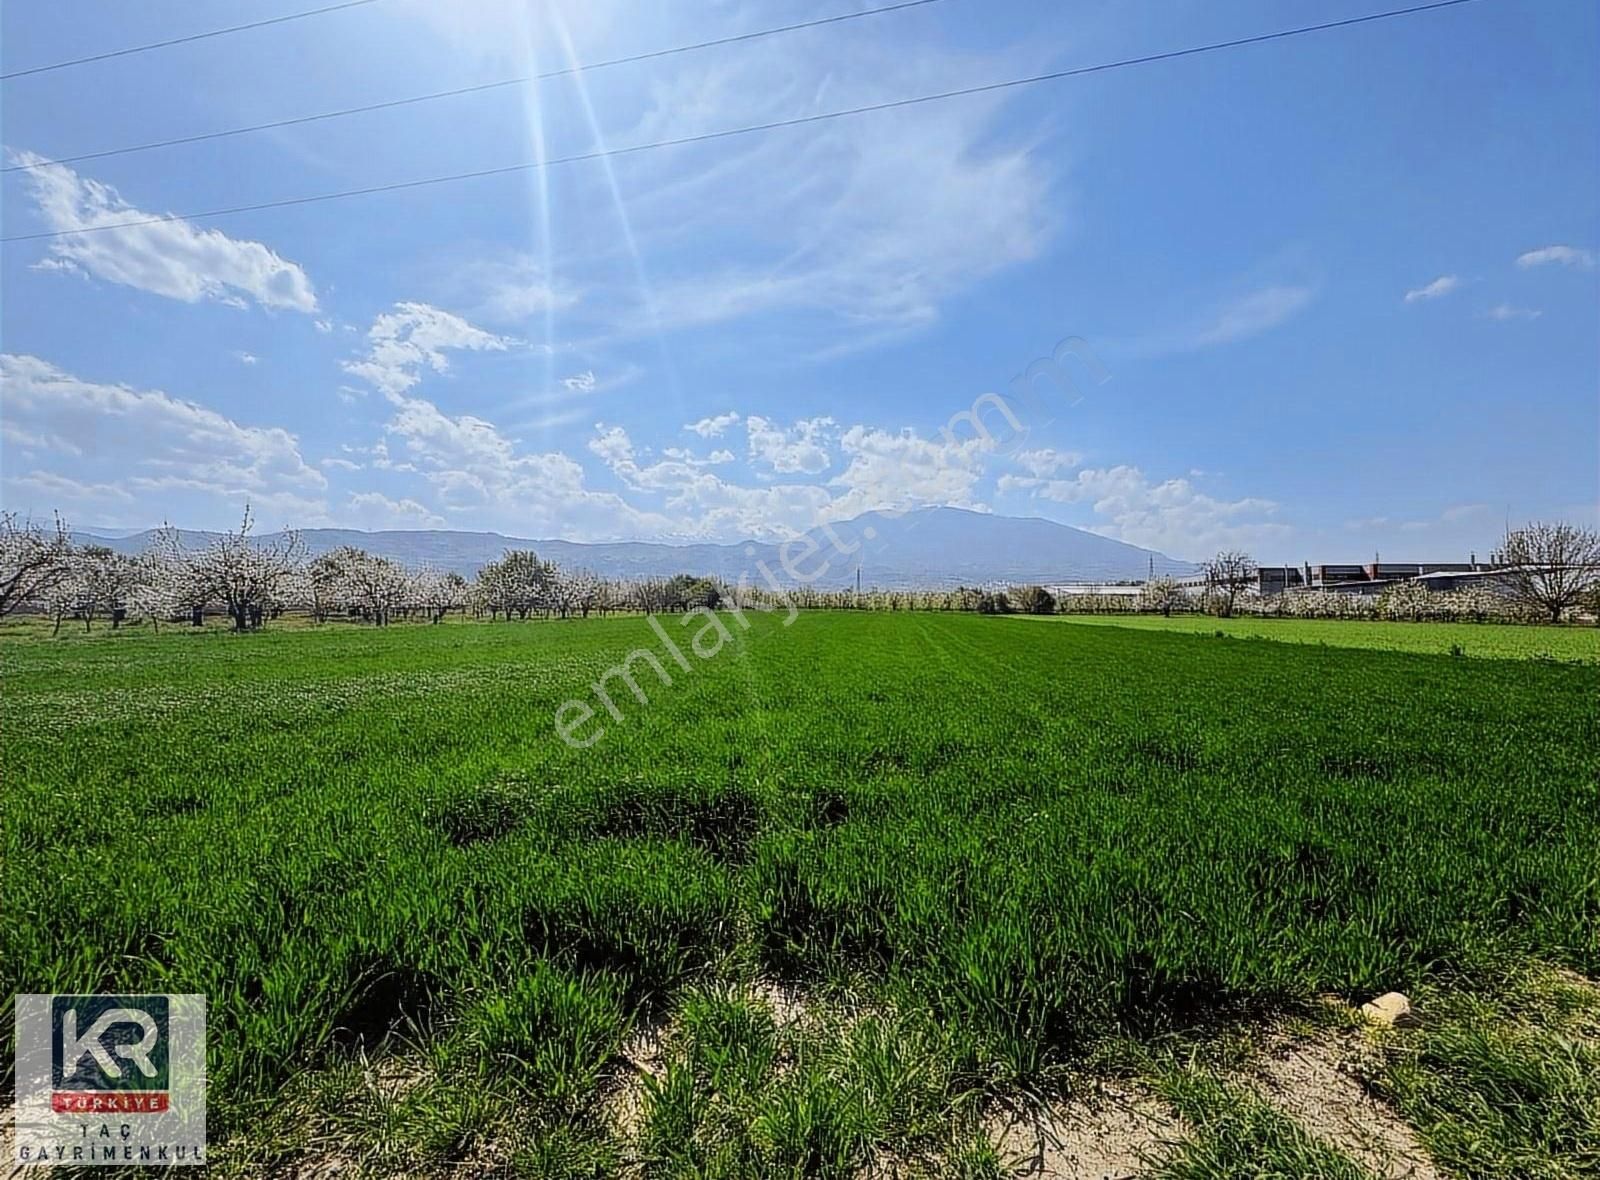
(585, 587)
(96, 582)
(33, 561)
(649, 595)
(1228, 574)
(373, 586)
(105, 579)
(438, 592)
(172, 575)
(609, 595)
(322, 588)
(1162, 595)
(519, 582)
(161, 590)
(251, 578)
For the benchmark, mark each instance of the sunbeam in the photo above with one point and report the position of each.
(641, 275)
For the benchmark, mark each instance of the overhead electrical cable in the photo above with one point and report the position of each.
(477, 88)
(132, 49)
(751, 129)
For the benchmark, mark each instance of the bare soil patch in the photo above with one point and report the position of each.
(1312, 1082)
(1111, 1132)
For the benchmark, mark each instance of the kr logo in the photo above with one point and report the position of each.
(109, 1042)
(73, 1046)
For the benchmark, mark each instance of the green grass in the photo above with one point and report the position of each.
(1504, 1086)
(1501, 641)
(741, 1096)
(1013, 840)
(1239, 1137)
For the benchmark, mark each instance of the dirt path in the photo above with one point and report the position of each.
(1308, 1081)
(1113, 1132)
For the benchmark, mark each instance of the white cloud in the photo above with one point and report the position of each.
(414, 336)
(1047, 461)
(705, 505)
(715, 459)
(374, 510)
(901, 470)
(613, 445)
(1442, 285)
(801, 448)
(1253, 314)
(580, 382)
(171, 258)
(149, 441)
(1172, 516)
(60, 490)
(1505, 312)
(887, 471)
(464, 471)
(1558, 255)
(480, 475)
(246, 358)
(714, 426)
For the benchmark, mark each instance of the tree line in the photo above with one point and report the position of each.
(1543, 572)
(252, 580)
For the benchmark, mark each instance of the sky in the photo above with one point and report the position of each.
(1321, 298)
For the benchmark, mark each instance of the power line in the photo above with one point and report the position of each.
(255, 24)
(475, 89)
(728, 133)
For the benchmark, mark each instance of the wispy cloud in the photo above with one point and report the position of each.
(1505, 312)
(1255, 313)
(1557, 256)
(846, 227)
(509, 290)
(1440, 286)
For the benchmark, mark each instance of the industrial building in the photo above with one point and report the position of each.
(1374, 577)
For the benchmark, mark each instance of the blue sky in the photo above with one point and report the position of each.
(1345, 286)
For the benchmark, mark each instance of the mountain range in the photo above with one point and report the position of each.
(926, 548)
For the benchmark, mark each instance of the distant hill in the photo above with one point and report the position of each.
(954, 546)
(930, 547)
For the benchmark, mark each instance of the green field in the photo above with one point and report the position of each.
(978, 851)
(1501, 641)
